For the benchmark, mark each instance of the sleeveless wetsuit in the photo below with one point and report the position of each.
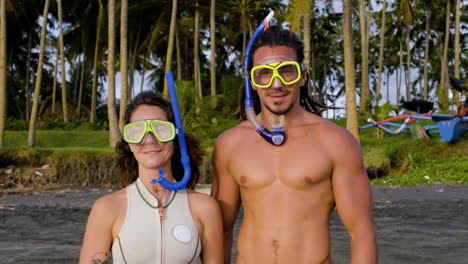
(150, 236)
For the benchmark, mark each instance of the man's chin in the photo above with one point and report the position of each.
(279, 110)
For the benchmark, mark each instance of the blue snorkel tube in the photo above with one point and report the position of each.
(184, 157)
(276, 136)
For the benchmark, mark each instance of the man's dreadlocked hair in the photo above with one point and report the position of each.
(276, 36)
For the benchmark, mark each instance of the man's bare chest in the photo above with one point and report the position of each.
(297, 164)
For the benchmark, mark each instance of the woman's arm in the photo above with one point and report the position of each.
(211, 233)
(98, 234)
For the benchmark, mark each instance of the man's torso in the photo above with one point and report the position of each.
(287, 196)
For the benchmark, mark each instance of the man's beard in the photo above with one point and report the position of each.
(290, 106)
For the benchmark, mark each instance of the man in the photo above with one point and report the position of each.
(288, 192)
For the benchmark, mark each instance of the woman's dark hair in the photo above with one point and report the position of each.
(127, 164)
(276, 36)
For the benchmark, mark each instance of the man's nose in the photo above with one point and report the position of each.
(276, 83)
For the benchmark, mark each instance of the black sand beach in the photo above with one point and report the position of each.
(423, 224)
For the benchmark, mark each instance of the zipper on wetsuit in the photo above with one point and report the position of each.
(161, 219)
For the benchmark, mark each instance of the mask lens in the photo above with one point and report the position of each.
(262, 76)
(134, 132)
(165, 131)
(288, 72)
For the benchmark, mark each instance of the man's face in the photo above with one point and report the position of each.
(278, 98)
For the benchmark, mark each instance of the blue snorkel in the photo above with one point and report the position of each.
(184, 157)
(276, 136)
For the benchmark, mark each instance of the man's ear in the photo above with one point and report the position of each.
(304, 76)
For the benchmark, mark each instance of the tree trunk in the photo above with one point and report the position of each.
(92, 117)
(196, 56)
(170, 45)
(443, 89)
(213, 48)
(179, 61)
(114, 131)
(401, 68)
(80, 90)
(123, 63)
(3, 71)
(365, 56)
(143, 71)
(408, 64)
(77, 77)
(37, 85)
(133, 56)
(426, 57)
(351, 113)
(388, 88)
(381, 55)
(456, 74)
(62, 64)
(54, 85)
(28, 78)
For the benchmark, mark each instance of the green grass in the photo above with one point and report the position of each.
(393, 159)
(417, 161)
(61, 140)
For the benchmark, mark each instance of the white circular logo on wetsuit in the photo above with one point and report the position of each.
(182, 234)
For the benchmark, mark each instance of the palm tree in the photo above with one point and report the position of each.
(365, 56)
(426, 55)
(170, 45)
(28, 76)
(179, 59)
(123, 61)
(443, 93)
(196, 53)
(351, 111)
(62, 63)
(100, 17)
(80, 92)
(304, 9)
(213, 47)
(457, 46)
(3, 75)
(408, 20)
(408, 63)
(54, 86)
(37, 86)
(381, 56)
(114, 131)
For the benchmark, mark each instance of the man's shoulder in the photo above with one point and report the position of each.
(329, 129)
(235, 134)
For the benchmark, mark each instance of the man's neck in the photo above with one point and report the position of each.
(290, 117)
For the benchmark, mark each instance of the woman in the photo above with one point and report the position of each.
(146, 223)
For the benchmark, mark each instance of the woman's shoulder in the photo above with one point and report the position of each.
(202, 204)
(112, 203)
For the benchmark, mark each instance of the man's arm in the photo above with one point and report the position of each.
(353, 197)
(226, 191)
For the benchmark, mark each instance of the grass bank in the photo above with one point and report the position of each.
(84, 158)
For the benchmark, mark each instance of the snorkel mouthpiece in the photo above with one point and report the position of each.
(276, 136)
(185, 160)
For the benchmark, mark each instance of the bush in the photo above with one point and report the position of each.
(16, 125)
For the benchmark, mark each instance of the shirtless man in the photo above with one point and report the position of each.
(289, 192)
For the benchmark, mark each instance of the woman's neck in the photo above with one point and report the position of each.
(157, 190)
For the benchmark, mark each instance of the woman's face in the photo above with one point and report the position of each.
(150, 153)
